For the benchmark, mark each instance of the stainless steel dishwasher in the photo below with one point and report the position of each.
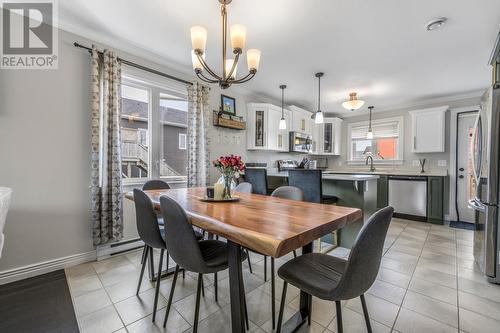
(408, 196)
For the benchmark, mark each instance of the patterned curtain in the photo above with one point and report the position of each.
(106, 184)
(198, 142)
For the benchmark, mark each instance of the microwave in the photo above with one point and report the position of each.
(300, 143)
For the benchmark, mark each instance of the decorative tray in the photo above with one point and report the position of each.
(207, 199)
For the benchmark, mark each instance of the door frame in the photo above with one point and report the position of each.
(454, 112)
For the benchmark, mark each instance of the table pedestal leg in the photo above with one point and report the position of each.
(236, 288)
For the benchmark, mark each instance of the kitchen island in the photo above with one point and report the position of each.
(352, 190)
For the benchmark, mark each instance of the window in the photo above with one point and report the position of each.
(386, 145)
(154, 127)
(182, 141)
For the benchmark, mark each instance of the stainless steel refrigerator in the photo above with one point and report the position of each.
(486, 151)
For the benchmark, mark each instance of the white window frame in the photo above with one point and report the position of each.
(156, 85)
(184, 136)
(400, 141)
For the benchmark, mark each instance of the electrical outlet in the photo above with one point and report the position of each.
(415, 163)
(442, 163)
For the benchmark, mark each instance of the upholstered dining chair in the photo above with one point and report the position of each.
(152, 235)
(258, 178)
(243, 188)
(284, 192)
(334, 279)
(5, 195)
(202, 257)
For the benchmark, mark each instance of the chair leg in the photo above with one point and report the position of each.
(265, 268)
(294, 253)
(339, 317)
(167, 260)
(197, 306)
(158, 279)
(144, 253)
(202, 287)
(183, 273)
(282, 307)
(249, 263)
(365, 312)
(309, 316)
(246, 310)
(215, 287)
(151, 262)
(171, 296)
(273, 306)
(143, 262)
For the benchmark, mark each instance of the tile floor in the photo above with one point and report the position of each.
(427, 283)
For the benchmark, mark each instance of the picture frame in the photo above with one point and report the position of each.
(228, 105)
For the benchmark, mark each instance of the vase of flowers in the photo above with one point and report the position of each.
(230, 167)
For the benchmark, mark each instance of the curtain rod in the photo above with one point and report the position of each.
(133, 64)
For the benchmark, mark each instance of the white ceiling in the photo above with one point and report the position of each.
(380, 48)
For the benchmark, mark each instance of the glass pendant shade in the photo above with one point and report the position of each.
(229, 65)
(196, 62)
(238, 36)
(353, 103)
(253, 59)
(369, 134)
(198, 38)
(282, 124)
(319, 117)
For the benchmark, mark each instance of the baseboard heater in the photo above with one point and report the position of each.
(109, 250)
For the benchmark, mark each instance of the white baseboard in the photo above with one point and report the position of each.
(45, 267)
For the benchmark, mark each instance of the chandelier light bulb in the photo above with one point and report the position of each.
(229, 65)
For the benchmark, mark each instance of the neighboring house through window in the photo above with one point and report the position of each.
(153, 120)
(386, 145)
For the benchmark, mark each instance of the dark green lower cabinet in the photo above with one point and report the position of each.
(382, 192)
(435, 200)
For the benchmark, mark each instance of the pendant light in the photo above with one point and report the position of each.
(282, 120)
(369, 134)
(318, 119)
(353, 103)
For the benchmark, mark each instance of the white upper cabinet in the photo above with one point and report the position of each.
(329, 137)
(301, 120)
(263, 131)
(428, 130)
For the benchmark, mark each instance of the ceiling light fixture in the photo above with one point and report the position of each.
(282, 120)
(369, 134)
(436, 23)
(229, 66)
(318, 116)
(353, 103)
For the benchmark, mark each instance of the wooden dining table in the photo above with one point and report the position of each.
(267, 225)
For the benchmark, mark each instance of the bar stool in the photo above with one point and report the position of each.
(334, 279)
(258, 178)
(310, 182)
(202, 257)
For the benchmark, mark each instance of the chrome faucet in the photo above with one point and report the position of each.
(369, 157)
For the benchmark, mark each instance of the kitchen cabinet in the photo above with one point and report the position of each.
(435, 199)
(301, 120)
(263, 131)
(428, 130)
(329, 137)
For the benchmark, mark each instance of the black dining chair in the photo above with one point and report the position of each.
(152, 235)
(334, 279)
(310, 182)
(258, 178)
(202, 257)
(158, 184)
(284, 192)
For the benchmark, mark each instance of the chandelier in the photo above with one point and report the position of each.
(229, 66)
(353, 103)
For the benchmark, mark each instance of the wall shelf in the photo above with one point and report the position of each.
(220, 120)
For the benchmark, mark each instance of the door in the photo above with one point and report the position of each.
(466, 184)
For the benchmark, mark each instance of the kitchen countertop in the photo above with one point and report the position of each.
(331, 176)
(395, 172)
